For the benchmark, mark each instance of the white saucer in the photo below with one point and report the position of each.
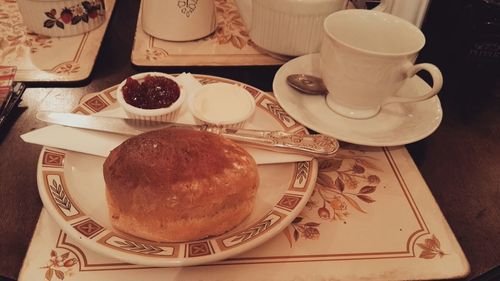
(396, 124)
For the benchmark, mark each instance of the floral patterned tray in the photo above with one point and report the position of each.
(228, 45)
(371, 216)
(34, 55)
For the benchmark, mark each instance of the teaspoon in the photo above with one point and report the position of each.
(307, 84)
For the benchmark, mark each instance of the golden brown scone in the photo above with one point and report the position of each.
(177, 184)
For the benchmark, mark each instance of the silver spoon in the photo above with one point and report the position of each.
(307, 84)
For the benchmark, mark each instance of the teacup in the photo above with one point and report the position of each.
(366, 56)
(178, 20)
(290, 27)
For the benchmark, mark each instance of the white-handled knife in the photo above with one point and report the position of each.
(277, 141)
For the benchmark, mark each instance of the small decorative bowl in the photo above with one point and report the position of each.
(61, 18)
(168, 113)
(222, 104)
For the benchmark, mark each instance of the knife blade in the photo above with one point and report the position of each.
(122, 126)
(279, 141)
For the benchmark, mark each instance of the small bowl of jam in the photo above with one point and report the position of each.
(151, 96)
(222, 104)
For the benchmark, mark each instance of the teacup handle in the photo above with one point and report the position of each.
(437, 83)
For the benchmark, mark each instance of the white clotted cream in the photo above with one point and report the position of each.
(222, 104)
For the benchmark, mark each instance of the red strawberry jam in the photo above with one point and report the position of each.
(152, 93)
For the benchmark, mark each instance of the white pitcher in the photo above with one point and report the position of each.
(290, 27)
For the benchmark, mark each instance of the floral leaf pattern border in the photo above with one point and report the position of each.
(13, 33)
(59, 265)
(230, 28)
(349, 180)
(431, 248)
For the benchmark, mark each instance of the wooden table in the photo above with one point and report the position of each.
(460, 161)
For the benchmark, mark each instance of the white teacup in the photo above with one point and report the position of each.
(176, 20)
(366, 57)
(290, 27)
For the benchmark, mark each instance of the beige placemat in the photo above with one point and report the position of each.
(228, 45)
(42, 58)
(371, 216)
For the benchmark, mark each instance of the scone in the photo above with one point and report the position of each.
(179, 184)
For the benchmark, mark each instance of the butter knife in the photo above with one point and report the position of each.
(319, 146)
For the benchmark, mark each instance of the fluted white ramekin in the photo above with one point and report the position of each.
(221, 104)
(290, 27)
(167, 114)
(61, 18)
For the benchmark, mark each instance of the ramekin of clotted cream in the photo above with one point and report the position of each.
(222, 104)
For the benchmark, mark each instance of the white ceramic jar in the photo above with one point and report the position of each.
(62, 17)
(178, 20)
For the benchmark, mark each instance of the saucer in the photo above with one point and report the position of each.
(395, 124)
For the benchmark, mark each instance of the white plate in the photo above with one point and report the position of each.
(72, 189)
(396, 124)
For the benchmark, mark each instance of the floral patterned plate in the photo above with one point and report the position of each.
(72, 189)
